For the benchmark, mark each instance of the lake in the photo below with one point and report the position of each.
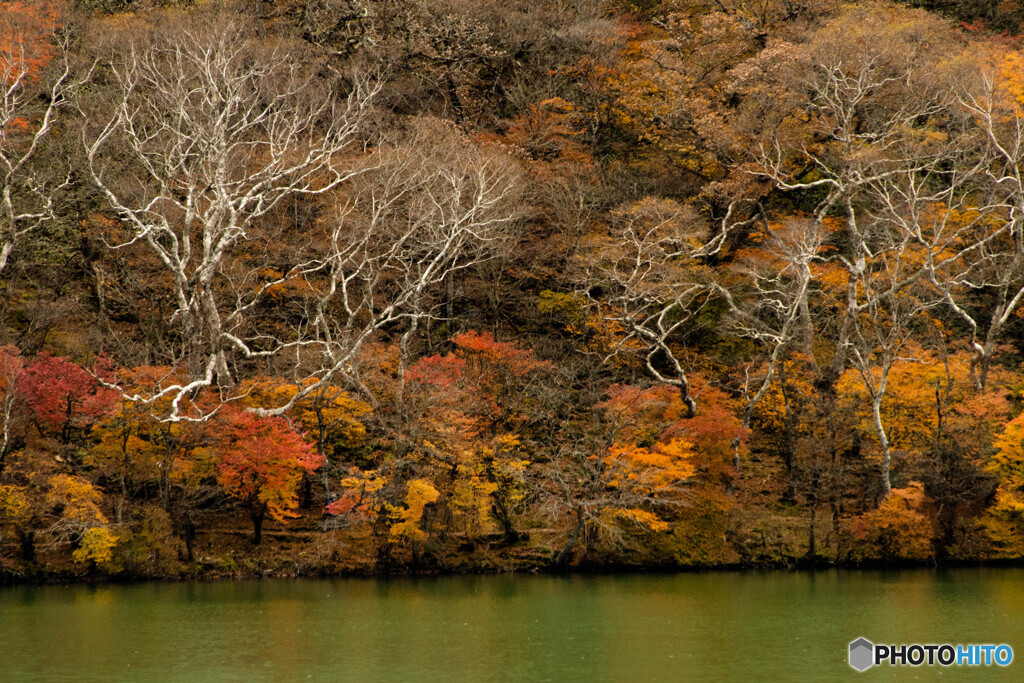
(704, 626)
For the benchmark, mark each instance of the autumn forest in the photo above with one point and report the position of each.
(371, 286)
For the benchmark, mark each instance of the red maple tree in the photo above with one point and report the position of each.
(61, 397)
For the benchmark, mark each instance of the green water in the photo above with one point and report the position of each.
(727, 626)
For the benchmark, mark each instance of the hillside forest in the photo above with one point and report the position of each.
(357, 286)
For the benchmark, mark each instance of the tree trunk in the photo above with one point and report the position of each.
(504, 518)
(28, 545)
(453, 98)
(190, 538)
(812, 548)
(883, 442)
(306, 499)
(258, 514)
(562, 558)
(449, 284)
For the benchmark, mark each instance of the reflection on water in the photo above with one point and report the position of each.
(728, 626)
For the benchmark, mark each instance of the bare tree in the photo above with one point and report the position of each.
(849, 132)
(987, 214)
(859, 145)
(210, 131)
(11, 367)
(433, 206)
(890, 308)
(643, 279)
(771, 306)
(29, 104)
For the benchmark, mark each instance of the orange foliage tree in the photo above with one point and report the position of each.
(901, 528)
(261, 461)
(462, 427)
(657, 413)
(329, 417)
(484, 392)
(26, 38)
(628, 472)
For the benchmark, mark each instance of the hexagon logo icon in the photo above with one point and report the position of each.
(862, 654)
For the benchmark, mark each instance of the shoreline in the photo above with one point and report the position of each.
(10, 578)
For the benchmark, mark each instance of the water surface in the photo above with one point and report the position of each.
(714, 626)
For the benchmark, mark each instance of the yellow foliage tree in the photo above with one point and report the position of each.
(14, 508)
(97, 546)
(420, 494)
(79, 520)
(1004, 520)
(330, 416)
